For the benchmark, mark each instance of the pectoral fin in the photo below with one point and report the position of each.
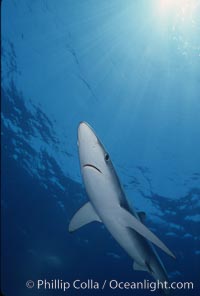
(83, 216)
(130, 221)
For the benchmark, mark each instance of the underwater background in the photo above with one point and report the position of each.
(131, 69)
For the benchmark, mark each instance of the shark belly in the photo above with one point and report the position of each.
(133, 243)
(138, 248)
(106, 199)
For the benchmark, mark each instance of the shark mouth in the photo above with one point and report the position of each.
(92, 166)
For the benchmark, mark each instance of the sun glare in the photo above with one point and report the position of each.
(166, 4)
(181, 8)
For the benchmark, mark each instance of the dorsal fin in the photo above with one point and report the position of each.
(142, 216)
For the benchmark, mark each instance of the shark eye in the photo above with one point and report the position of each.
(106, 157)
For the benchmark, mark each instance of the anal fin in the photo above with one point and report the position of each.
(137, 266)
(143, 267)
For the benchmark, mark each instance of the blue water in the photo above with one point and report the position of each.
(132, 70)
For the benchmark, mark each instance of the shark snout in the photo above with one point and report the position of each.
(85, 134)
(81, 129)
(87, 146)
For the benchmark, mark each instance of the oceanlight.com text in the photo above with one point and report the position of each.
(113, 284)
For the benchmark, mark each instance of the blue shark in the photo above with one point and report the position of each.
(108, 205)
